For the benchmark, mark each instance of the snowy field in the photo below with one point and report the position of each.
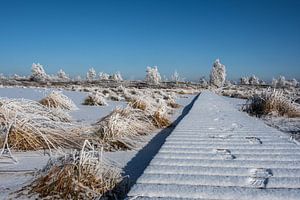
(14, 176)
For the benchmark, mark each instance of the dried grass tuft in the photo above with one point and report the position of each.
(32, 126)
(121, 130)
(95, 99)
(81, 175)
(160, 119)
(138, 104)
(271, 103)
(57, 99)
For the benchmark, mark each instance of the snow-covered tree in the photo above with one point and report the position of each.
(218, 74)
(152, 76)
(274, 82)
(203, 82)
(38, 73)
(244, 81)
(253, 80)
(175, 77)
(281, 81)
(103, 76)
(294, 82)
(91, 74)
(2, 76)
(62, 76)
(116, 77)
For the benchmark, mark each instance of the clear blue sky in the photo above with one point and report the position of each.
(250, 37)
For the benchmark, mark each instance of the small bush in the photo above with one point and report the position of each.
(95, 99)
(271, 103)
(57, 99)
(81, 175)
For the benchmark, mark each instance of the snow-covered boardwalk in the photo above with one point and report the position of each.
(218, 152)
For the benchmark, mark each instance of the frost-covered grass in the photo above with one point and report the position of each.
(272, 103)
(122, 129)
(56, 99)
(95, 99)
(80, 175)
(28, 125)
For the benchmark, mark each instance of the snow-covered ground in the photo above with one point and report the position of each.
(15, 175)
(85, 114)
(290, 126)
(218, 152)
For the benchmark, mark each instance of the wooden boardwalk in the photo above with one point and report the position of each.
(218, 152)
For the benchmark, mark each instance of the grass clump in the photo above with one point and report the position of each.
(160, 120)
(121, 130)
(28, 125)
(57, 99)
(271, 103)
(80, 175)
(95, 99)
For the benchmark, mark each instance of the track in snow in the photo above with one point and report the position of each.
(218, 152)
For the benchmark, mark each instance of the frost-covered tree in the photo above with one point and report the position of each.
(62, 76)
(152, 76)
(116, 77)
(103, 76)
(253, 80)
(294, 82)
(203, 82)
(218, 74)
(274, 82)
(91, 74)
(2, 76)
(175, 77)
(281, 82)
(38, 73)
(244, 81)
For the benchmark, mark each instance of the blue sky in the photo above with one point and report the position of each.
(250, 37)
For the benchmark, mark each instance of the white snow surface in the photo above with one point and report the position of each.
(218, 152)
(85, 113)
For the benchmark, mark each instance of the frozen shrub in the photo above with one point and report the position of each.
(91, 74)
(62, 76)
(244, 81)
(32, 126)
(271, 102)
(253, 80)
(122, 128)
(95, 99)
(82, 174)
(38, 73)
(294, 82)
(103, 76)
(218, 74)
(203, 82)
(274, 82)
(116, 77)
(57, 99)
(176, 77)
(153, 76)
(281, 81)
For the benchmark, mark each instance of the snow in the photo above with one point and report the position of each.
(14, 176)
(218, 152)
(84, 114)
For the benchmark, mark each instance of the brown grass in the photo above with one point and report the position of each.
(58, 100)
(160, 121)
(81, 175)
(138, 104)
(31, 126)
(271, 103)
(122, 129)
